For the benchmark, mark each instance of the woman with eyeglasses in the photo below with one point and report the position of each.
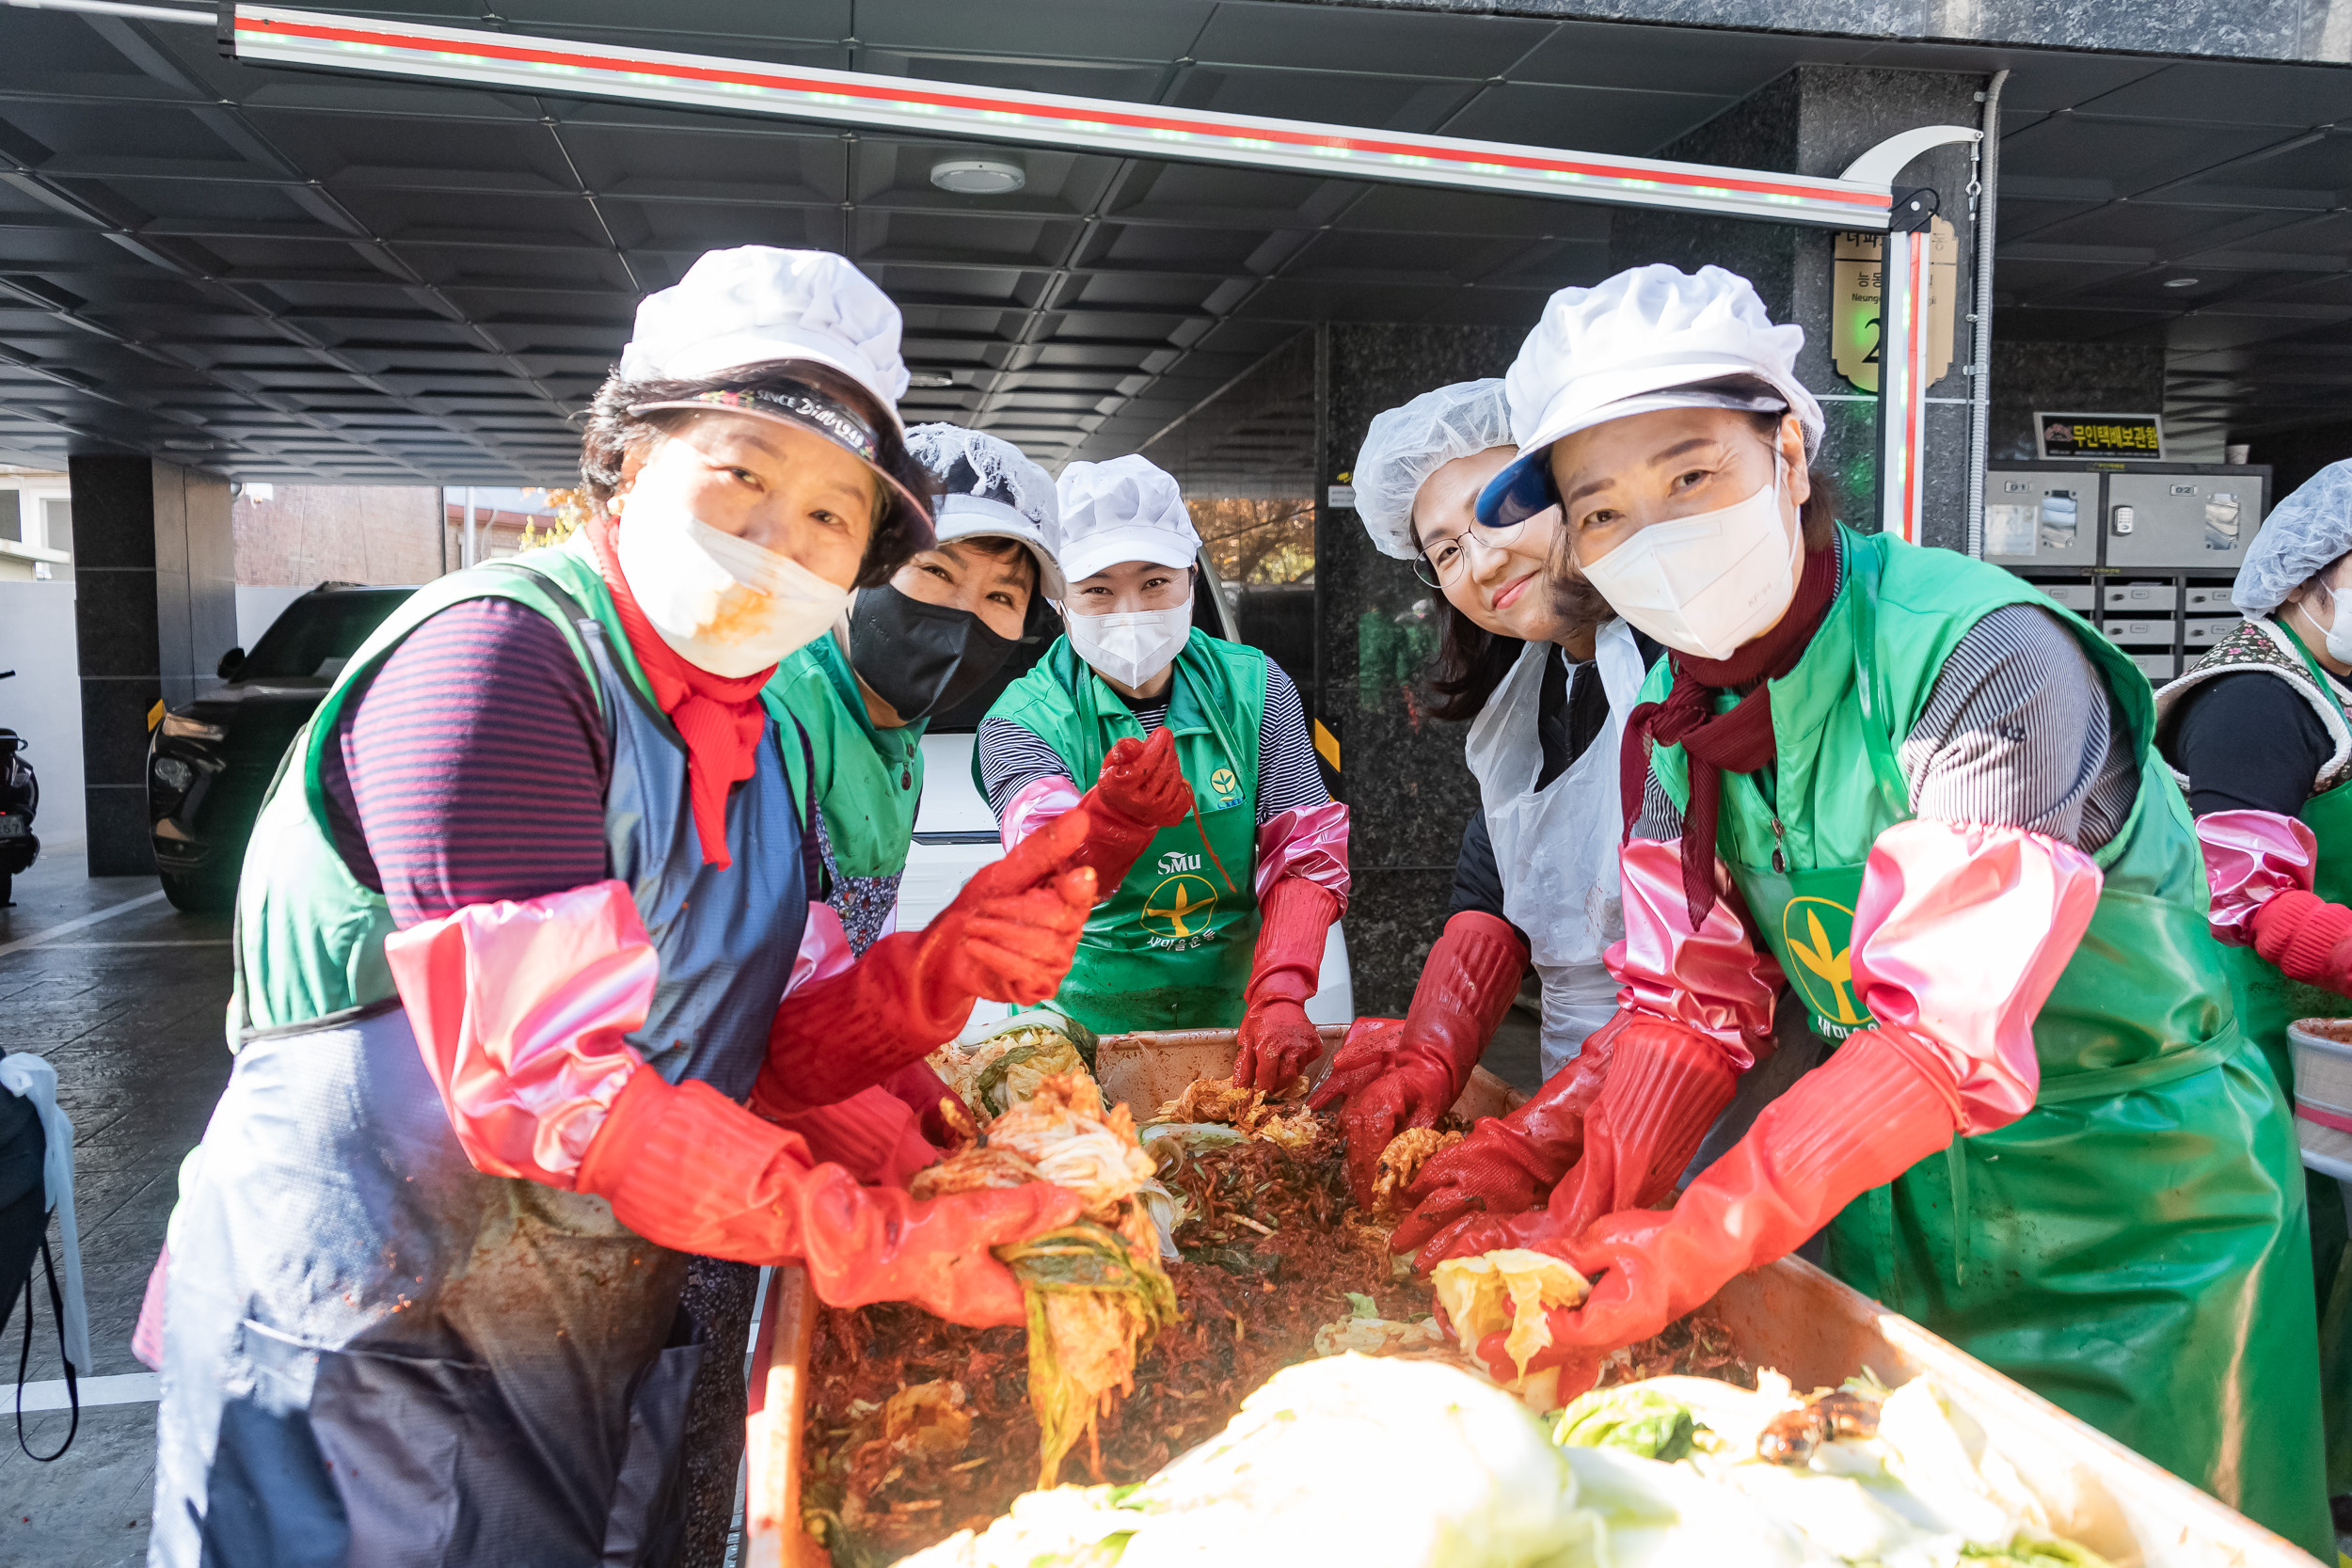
(1546, 675)
(1904, 782)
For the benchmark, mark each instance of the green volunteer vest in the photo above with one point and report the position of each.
(866, 780)
(309, 935)
(2132, 1248)
(1172, 948)
(2267, 1002)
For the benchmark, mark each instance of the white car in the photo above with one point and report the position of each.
(955, 831)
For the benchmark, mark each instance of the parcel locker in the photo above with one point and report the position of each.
(2156, 666)
(2138, 599)
(2203, 631)
(2196, 521)
(2139, 632)
(2042, 519)
(2210, 599)
(2079, 596)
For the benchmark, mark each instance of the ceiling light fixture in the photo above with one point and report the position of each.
(979, 176)
(2180, 282)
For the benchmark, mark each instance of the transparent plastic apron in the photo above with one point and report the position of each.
(1556, 848)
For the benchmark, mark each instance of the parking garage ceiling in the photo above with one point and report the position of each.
(307, 277)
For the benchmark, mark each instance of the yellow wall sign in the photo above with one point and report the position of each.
(1853, 321)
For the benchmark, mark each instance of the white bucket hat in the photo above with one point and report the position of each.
(994, 491)
(1650, 338)
(1128, 509)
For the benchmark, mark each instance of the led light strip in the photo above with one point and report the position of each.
(1903, 372)
(277, 36)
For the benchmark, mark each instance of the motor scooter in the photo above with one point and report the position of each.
(20, 798)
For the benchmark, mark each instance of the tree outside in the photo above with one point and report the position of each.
(1251, 541)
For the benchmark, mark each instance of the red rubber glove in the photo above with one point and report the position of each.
(687, 1167)
(2307, 937)
(1394, 1078)
(1141, 790)
(521, 1013)
(1276, 1042)
(1009, 935)
(1666, 1086)
(1508, 1162)
(1878, 1106)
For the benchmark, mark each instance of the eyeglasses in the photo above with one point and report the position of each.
(1441, 562)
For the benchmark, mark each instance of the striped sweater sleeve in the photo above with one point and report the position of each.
(471, 766)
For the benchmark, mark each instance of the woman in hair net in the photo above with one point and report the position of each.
(1904, 782)
(2258, 735)
(516, 991)
(1546, 675)
(1222, 857)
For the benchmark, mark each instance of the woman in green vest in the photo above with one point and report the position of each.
(2258, 734)
(1903, 782)
(912, 649)
(1224, 855)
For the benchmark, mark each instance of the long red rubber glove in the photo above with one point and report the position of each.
(2307, 937)
(1394, 1078)
(685, 1166)
(1509, 1161)
(1276, 1042)
(1141, 790)
(1666, 1084)
(1881, 1104)
(1009, 935)
(521, 1013)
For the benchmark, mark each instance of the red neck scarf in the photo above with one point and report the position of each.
(1714, 744)
(721, 721)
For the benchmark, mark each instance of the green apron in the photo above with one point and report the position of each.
(2132, 1248)
(1172, 948)
(2267, 1002)
(868, 782)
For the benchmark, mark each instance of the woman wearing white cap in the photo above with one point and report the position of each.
(1222, 856)
(511, 944)
(1903, 780)
(2259, 735)
(1546, 679)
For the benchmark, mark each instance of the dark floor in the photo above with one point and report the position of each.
(128, 1010)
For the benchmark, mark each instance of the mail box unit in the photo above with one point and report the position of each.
(2042, 518)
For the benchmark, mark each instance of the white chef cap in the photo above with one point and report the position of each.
(757, 303)
(1127, 509)
(1404, 446)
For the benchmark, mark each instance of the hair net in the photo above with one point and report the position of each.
(1404, 446)
(992, 491)
(2303, 532)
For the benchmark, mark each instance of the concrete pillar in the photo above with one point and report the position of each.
(1401, 772)
(155, 606)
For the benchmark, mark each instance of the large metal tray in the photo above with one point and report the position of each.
(1789, 1315)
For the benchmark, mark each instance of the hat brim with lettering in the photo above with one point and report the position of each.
(805, 408)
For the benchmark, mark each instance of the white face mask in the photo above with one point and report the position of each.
(1705, 584)
(720, 602)
(1131, 646)
(2338, 631)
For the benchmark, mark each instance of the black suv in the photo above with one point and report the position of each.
(208, 763)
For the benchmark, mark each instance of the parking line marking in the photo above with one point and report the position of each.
(126, 1388)
(86, 920)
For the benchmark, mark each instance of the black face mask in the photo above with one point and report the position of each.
(921, 657)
